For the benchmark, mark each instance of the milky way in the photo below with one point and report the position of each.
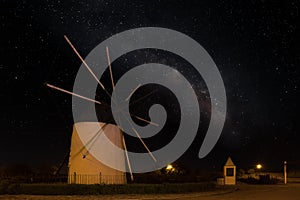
(254, 44)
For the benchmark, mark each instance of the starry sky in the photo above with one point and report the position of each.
(255, 45)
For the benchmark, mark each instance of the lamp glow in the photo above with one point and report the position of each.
(169, 167)
(258, 166)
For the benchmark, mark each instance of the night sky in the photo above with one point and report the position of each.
(255, 45)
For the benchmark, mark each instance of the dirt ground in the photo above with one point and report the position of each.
(241, 192)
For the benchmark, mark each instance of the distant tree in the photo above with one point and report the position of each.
(45, 169)
(241, 172)
(18, 170)
(2, 170)
(251, 171)
(177, 169)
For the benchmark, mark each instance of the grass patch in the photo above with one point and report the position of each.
(74, 189)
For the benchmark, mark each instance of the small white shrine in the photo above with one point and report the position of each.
(229, 173)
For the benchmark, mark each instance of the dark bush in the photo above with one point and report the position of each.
(263, 179)
(74, 189)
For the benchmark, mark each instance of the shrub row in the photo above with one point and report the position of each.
(73, 189)
(262, 180)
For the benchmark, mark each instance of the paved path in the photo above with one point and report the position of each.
(244, 192)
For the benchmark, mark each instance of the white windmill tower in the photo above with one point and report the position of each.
(84, 168)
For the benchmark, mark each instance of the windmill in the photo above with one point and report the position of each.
(87, 85)
(84, 168)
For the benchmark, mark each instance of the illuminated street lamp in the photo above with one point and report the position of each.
(170, 168)
(258, 166)
(284, 172)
